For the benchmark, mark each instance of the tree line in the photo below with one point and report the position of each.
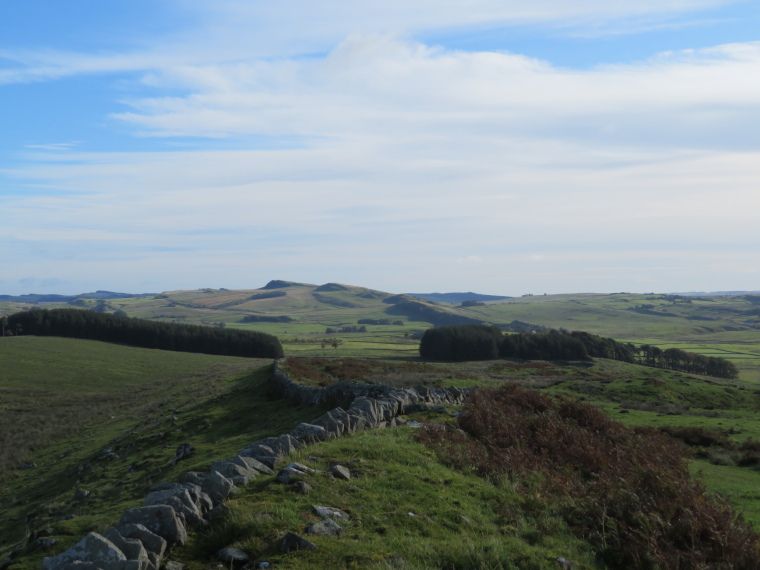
(486, 342)
(267, 319)
(379, 322)
(75, 323)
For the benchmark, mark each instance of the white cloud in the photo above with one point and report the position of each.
(379, 89)
(402, 158)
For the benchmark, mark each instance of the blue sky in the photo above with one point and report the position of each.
(500, 146)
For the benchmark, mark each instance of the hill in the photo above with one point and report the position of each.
(458, 297)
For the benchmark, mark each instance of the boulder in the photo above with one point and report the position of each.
(232, 556)
(80, 495)
(205, 504)
(159, 519)
(132, 548)
(192, 477)
(309, 433)
(252, 463)
(387, 408)
(235, 472)
(282, 445)
(218, 487)
(180, 500)
(288, 475)
(327, 527)
(335, 421)
(184, 451)
(44, 543)
(340, 472)
(150, 540)
(92, 548)
(367, 408)
(357, 423)
(181, 493)
(292, 541)
(261, 453)
(330, 513)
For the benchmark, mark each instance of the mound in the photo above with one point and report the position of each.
(331, 287)
(279, 284)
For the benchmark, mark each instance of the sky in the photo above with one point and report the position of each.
(497, 146)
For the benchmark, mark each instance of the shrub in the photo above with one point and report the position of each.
(625, 491)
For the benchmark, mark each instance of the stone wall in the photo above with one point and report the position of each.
(141, 538)
(343, 393)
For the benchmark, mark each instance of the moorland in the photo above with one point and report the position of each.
(82, 414)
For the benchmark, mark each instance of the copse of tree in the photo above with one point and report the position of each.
(461, 342)
(485, 342)
(267, 319)
(346, 329)
(552, 345)
(75, 323)
(682, 361)
(605, 347)
(379, 322)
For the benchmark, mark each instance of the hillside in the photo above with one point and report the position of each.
(141, 405)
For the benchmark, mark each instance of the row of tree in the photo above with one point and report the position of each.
(677, 359)
(267, 319)
(346, 329)
(486, 342)
(75, 323)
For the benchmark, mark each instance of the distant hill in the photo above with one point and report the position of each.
(715, 293)
(458, 297)
(52, 298)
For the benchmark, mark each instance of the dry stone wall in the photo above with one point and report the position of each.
(141, 538)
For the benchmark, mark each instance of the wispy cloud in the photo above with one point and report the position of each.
(54, 146)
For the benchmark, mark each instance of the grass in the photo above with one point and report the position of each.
(739, 485)
(407, 511)
(217, 404)
(54, 388)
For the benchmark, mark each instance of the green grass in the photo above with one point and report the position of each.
(219, 414)
(740, 486)
(403, 505)
(73, 365)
